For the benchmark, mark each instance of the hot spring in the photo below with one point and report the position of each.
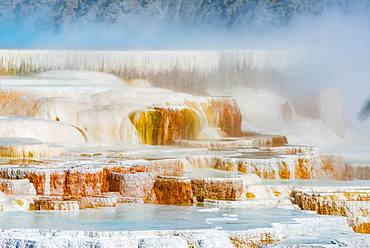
(203, 148)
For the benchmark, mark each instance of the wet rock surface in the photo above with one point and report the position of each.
(351, 202)
(217, 189)
(177, 191)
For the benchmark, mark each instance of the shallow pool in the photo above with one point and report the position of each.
(129, 217)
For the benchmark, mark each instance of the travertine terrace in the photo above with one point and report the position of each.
(85, 136)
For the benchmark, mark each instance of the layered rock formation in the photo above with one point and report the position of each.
(351, 202)
(110, 116)
(76, 141)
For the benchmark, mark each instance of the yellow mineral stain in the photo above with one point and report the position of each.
(303, 169)
(162, 125)
(362, 228)
(250, 195)
(284, 170)
(277, 193)
(19, 202)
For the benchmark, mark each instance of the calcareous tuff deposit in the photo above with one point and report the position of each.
(91, 159)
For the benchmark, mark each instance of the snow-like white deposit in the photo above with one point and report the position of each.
(100, 103)
(44, 130)
(95, 104)
(142, 62)
(87, 77)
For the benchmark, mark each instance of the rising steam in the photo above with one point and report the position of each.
(332, 44)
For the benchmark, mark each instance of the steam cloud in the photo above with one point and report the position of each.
(334, 44)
